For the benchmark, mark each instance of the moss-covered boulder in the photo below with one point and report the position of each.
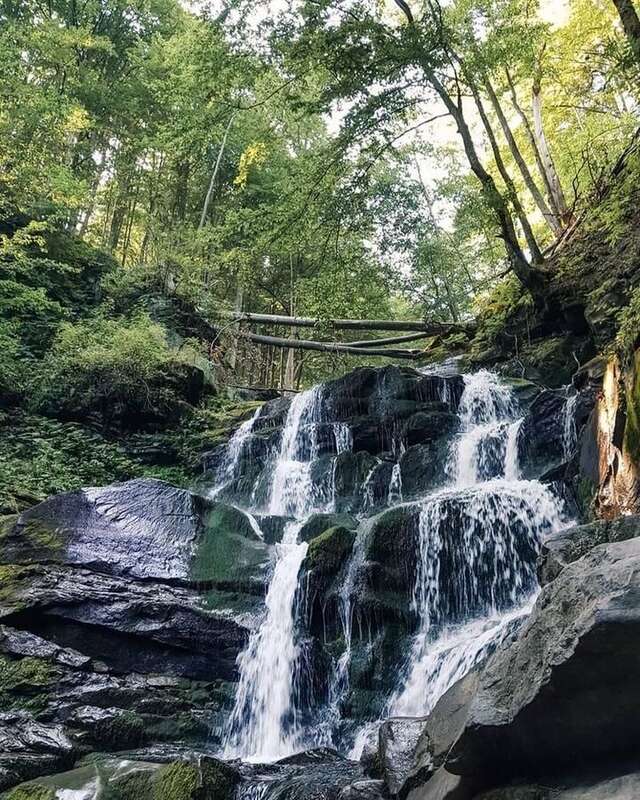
(328, 551)
(230, 550)
(319, 523)
(203, 778)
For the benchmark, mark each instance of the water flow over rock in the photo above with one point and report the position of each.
(485, 529)
(264, 724)
(469, 548)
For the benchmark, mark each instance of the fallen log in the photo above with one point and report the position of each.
(430, 328)
(409, 337)
(331, 347)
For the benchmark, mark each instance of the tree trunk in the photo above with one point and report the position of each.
(411, 337)
(630, 23)
(552, 221)
(534, 144)
(545, 153)
(331, 347)
(214, 175)
(233, 353)
(529, 277)
(534, 249)
(431, 328)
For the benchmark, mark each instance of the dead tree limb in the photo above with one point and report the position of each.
(429, 328)
(331, 347)
(409, 337)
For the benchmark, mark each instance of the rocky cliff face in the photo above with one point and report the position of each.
(123, 610)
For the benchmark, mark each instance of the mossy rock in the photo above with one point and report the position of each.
(206, 780)
(31, 792)
(328, 551)
(229, 549)
(319, 523)
(25, 683)
(134, 785)
(13, 579)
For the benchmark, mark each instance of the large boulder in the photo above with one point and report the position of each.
(397, 742)
(564, 694)
(569, 544)
(144, 529)
(29, 748)
(200, 777)
(132, 626)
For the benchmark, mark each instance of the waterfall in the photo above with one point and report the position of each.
(569, 431)
(486, 528)
(227, 468)
(264, 724)
(394, 495)
(476, 542)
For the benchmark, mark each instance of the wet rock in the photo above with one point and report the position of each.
(229, 550)
(319, 523)
(22, 643)
(349, 473)
(390, 548)
(428, 777)
(131, 626)
(142, 528)
(422, 468)
(569, 544)
(195, 778)
(566, 691)
(328, 551)
(363, 790)
(272, 526)
(319, 774)
(398, 738)
(428, 425)
(29, 748)
(542, 432)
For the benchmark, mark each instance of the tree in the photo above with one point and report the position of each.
(630, 24)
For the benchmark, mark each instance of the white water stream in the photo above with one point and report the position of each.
(476, 543)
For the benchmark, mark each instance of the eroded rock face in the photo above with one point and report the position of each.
(562, 696)
(569, 544)
(398, 739)
(108, 637)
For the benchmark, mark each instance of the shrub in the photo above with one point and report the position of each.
(119, 368)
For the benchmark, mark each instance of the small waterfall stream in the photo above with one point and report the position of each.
(477, 538)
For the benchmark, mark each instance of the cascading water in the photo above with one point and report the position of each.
(264, 724)
(569, 432)
(486, 528)
(228, 466)
(476, 544)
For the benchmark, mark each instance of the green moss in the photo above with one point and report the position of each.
(134, 785)
(12, 579)
(229, 548)
(632, 428)
(120, 732)
(178, 781)
(327, 551)
(31, 792)
(25, 683)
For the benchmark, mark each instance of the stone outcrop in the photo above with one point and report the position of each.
(559, 699)
(119, 620)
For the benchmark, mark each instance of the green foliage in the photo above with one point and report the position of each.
(40, 456)
(629, 325)
(496, 308)
(103, 364)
